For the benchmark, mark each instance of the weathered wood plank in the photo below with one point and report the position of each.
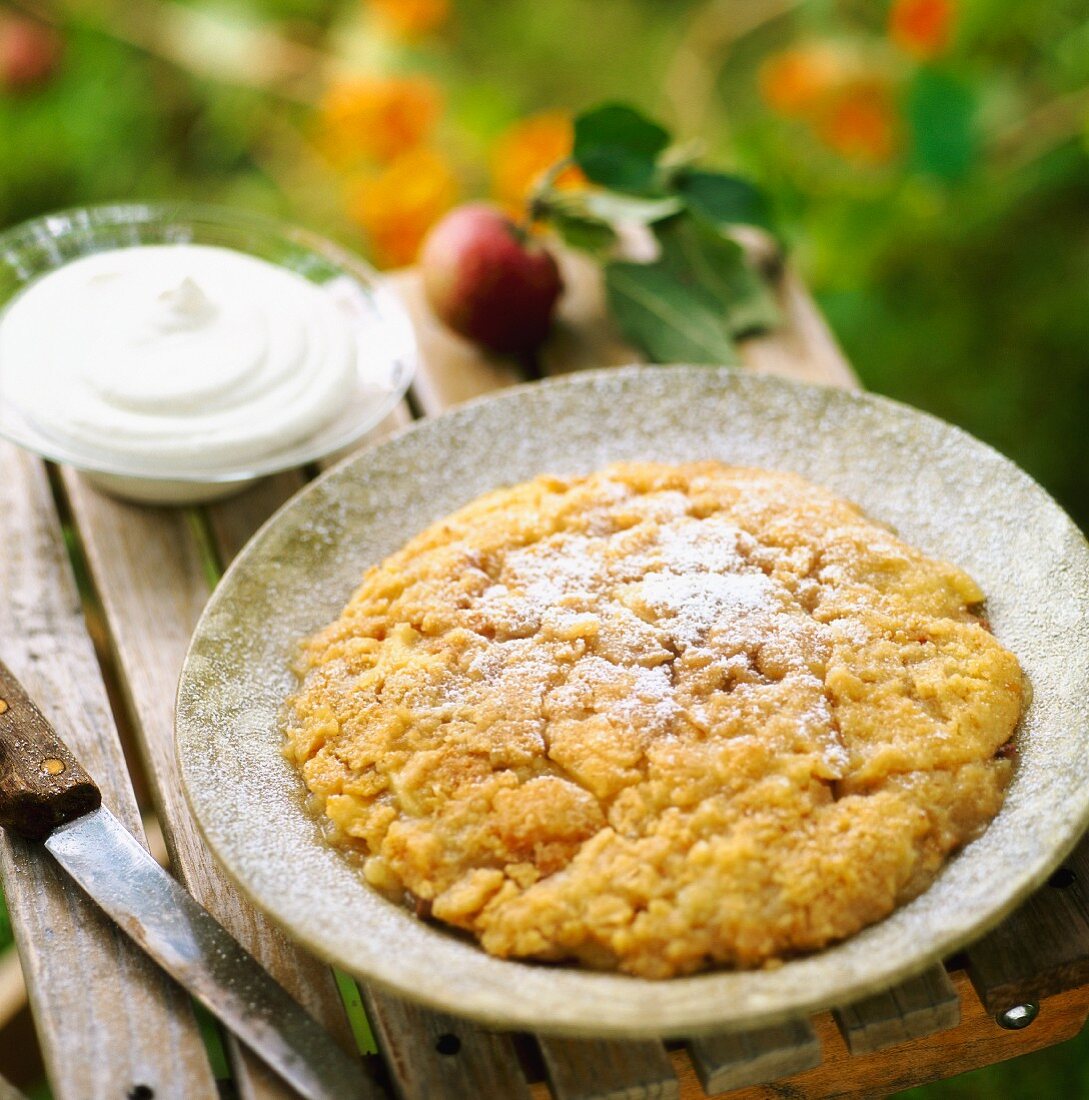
(234, 520)
(594, 1069)
(734, 1060)
(920, 1006)
(432, 1056)
(74, 960)
(977, 1041)
(452, 370)
(584, 336)
(1042, 948)
(804, 347)
(149, 576)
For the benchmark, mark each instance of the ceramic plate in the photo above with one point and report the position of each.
(942, 490)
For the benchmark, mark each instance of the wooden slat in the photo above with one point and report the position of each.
(108, 1019)
(452, 370)
(734, 1060)
(978, 1041)
(235, 519)
(232, 522)
(920, 1006)
(432, 1056)
(1043, 947)
(584, 336)
(594, 1069)
(803, 347)
(148, 573)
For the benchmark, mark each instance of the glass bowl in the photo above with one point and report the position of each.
(384, 368)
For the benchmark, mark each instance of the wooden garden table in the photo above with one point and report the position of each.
(103, 666)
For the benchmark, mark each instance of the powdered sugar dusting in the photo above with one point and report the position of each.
(698, 545)
(623, 616)
(690, 603)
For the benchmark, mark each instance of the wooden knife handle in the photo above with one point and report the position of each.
(42, 785)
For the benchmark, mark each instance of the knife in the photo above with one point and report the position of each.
(45, 795)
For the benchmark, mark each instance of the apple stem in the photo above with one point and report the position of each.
(540, 201)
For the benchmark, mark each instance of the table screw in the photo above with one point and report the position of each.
(448, 1044)
(1018, 1017)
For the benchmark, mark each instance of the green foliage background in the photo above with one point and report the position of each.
(956, 275)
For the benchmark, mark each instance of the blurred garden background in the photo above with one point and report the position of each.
(927, 162)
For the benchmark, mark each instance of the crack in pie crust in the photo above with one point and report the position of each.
(656, 719)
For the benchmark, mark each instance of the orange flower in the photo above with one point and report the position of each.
(526, 151)
(921, 28)
(377, 117)
(399, 204)
(795, 82)
(860, 122)
(411, 18)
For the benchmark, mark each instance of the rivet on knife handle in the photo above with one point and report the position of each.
(42, 785)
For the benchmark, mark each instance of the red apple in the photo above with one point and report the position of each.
(487, 280)
(29, 53)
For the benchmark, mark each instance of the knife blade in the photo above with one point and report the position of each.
(46, 795)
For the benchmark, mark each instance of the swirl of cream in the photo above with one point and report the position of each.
(177, 358)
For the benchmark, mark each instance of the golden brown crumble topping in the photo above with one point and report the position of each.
(657, 718)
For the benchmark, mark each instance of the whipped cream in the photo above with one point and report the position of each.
(177, 358)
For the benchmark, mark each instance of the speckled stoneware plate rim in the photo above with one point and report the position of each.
(942, 489)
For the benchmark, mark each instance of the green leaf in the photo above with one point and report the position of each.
(585, 233)
(618, 147)
(722, 199)
(698, 255)
(615, 207)
(609, 207)
(941, 115)
(694, 300)
(670, 321)
(587, 219)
